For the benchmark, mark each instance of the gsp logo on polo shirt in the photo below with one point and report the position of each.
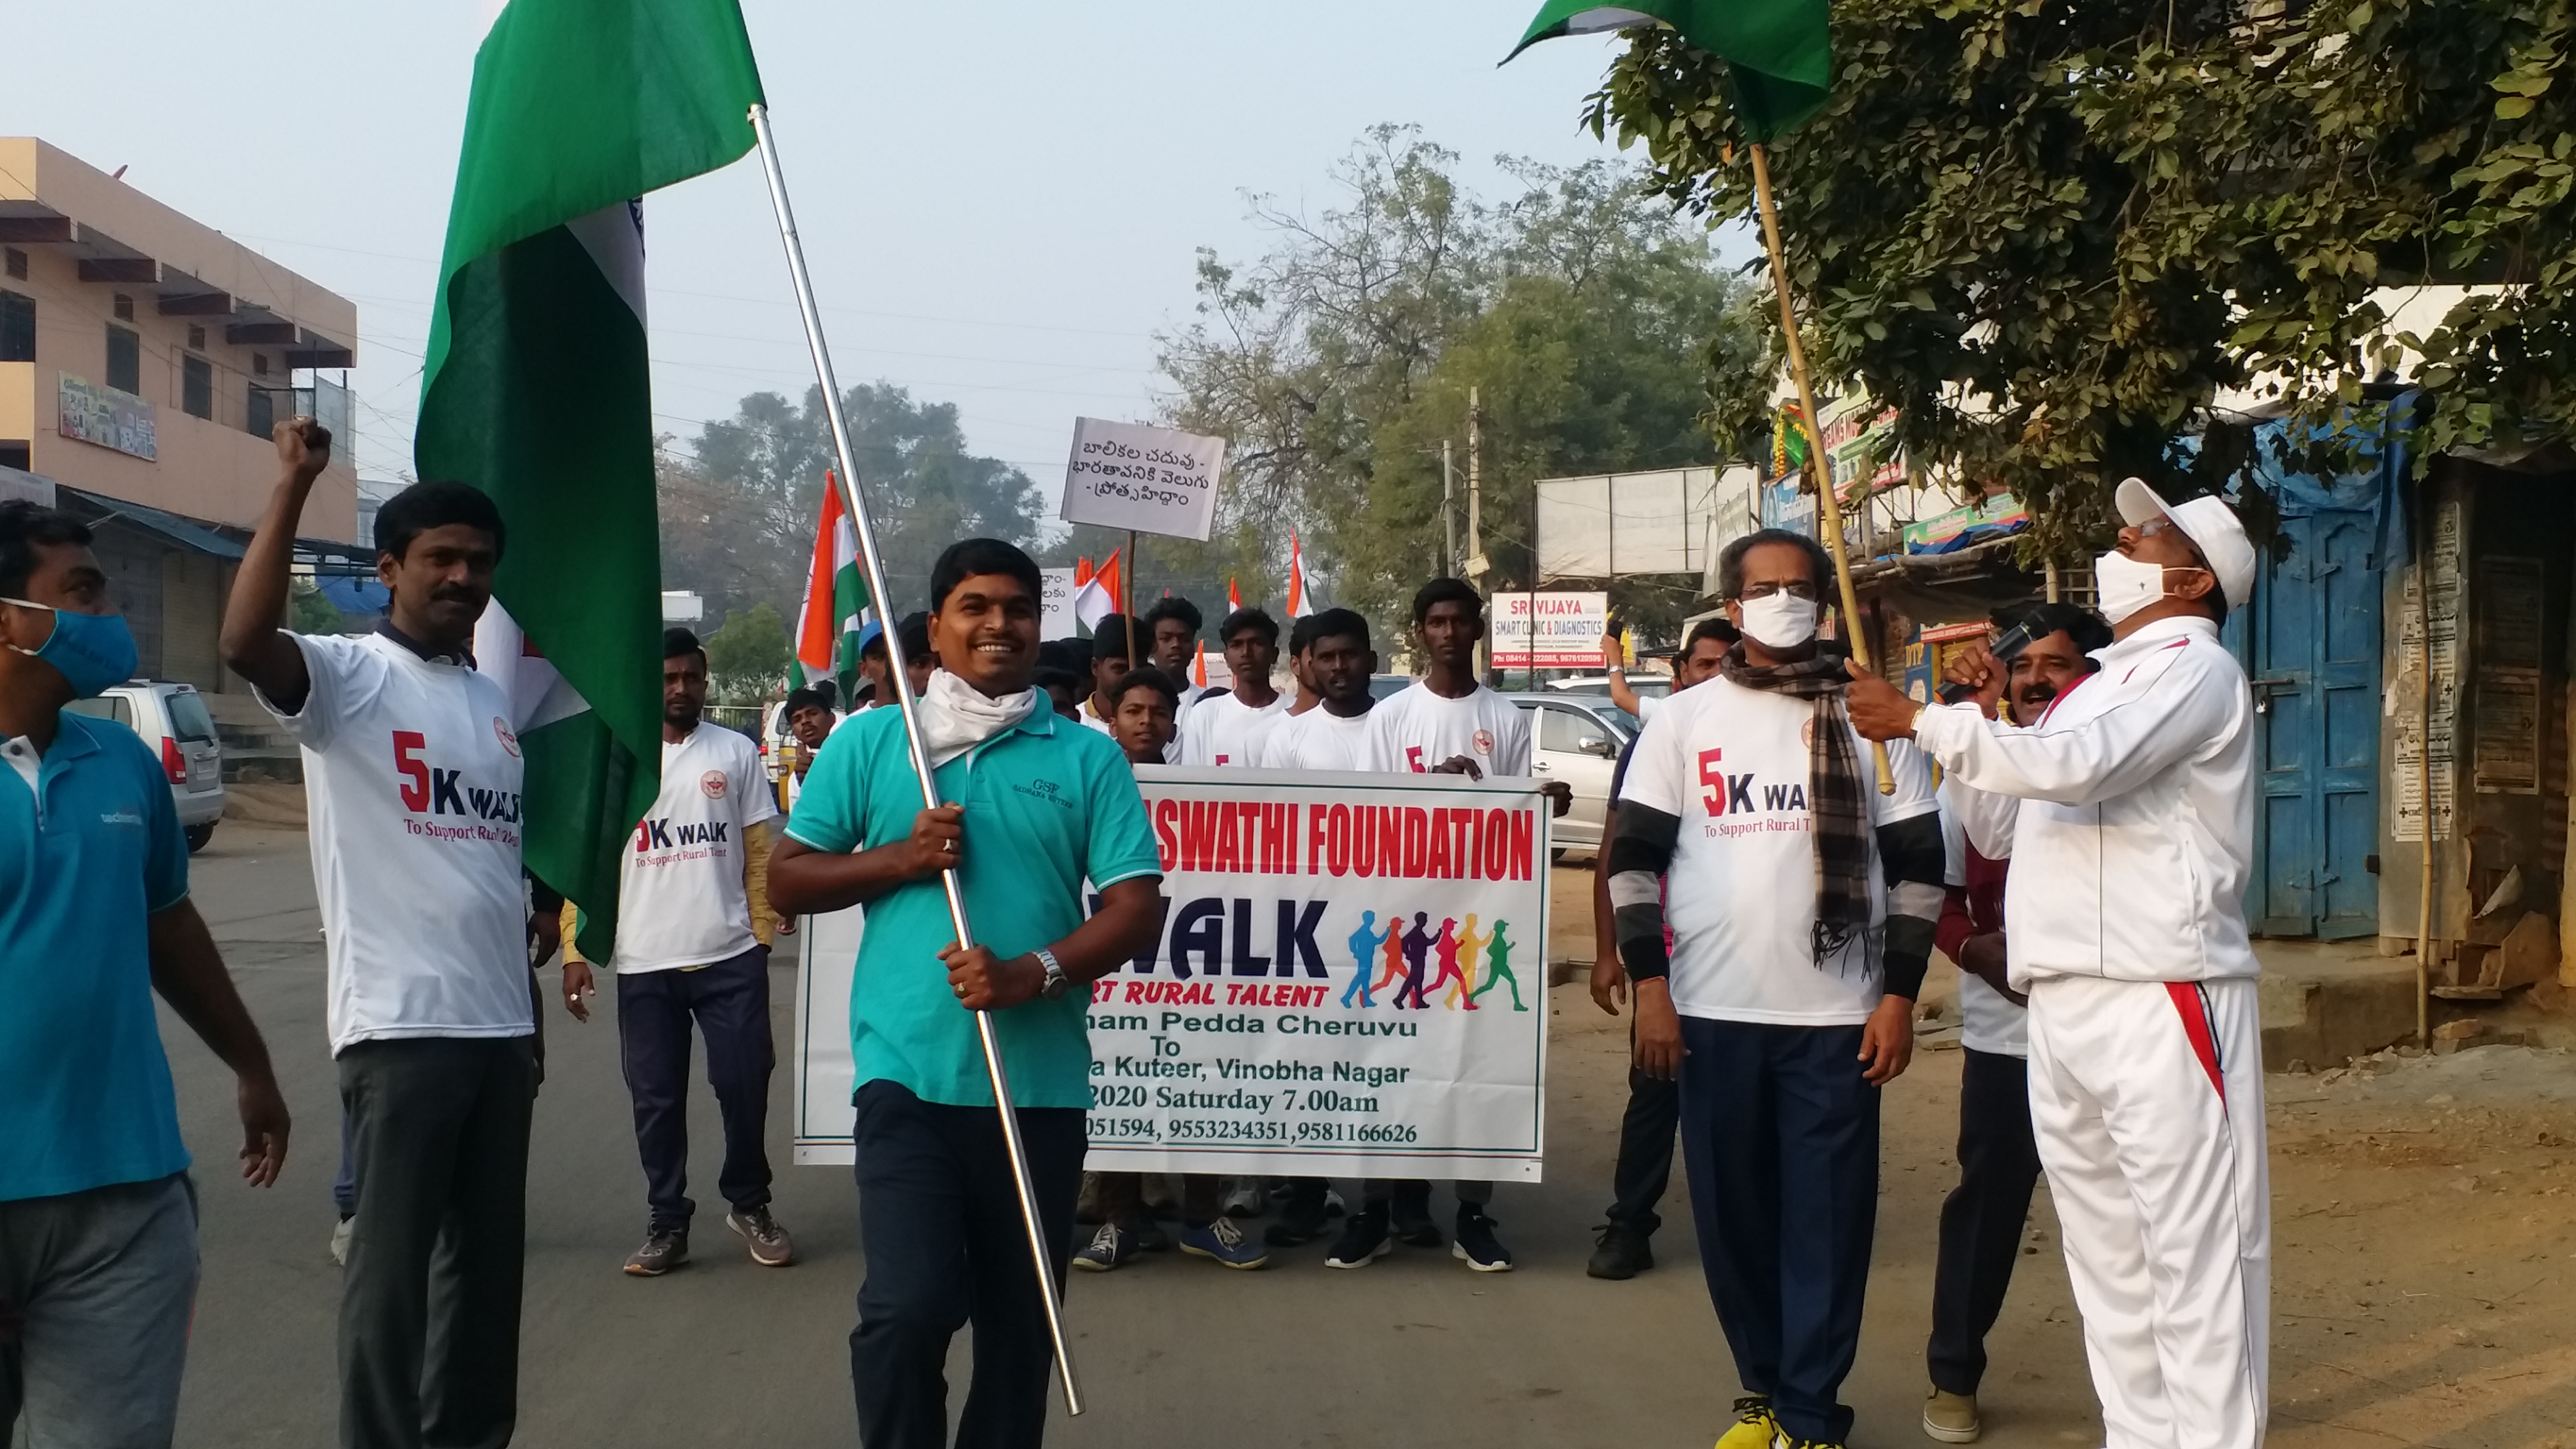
(430, 790)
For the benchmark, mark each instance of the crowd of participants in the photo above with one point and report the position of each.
(1769, 976)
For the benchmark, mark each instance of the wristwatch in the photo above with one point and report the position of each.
(1057, 983)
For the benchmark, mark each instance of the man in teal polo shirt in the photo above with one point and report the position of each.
(98, 1222)
(1035, 807)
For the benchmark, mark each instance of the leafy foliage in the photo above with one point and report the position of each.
(1337, 363)
(747, 656)
(738, 521)
(2053, 232)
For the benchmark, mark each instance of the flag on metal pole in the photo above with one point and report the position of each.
(536, 389)
(836, 603)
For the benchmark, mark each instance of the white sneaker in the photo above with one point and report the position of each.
(340, 1241)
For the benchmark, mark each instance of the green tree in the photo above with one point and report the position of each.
(2050, 232)
(738, 519)
(309, 612)
(1580, 311)
(748, 656)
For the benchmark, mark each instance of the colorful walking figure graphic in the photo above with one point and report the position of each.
(1364, 944)
(1394, 958)
(1466, 989)
(1417, 945)
(1498, 967)
(1446, 953)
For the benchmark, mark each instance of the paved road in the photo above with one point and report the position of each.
(1415, 1351)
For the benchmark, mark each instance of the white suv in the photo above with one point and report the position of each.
(173, 724)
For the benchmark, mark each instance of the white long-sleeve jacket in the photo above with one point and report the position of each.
(2128, 812)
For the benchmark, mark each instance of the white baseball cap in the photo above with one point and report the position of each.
(2212, 527)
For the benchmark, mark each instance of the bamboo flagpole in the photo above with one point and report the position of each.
(1828, 510)
(901, 682)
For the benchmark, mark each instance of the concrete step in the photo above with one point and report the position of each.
(2325, 1002)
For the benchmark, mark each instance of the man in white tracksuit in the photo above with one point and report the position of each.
(2128, 812)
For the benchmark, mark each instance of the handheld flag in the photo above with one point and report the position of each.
(1198, 667)
(1096, 597)
(1301, 599)
(1233, 596)
(836, 603)
(535, 388)
(1778, 60)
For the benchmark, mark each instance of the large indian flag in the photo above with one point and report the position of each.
(535, 387)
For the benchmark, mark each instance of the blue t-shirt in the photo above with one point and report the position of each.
(1048, 805)
(85, 1096)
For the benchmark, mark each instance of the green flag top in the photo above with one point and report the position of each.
(1778, 61)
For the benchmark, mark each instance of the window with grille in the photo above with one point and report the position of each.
(17, 328)
(124, 360)
(197, 387)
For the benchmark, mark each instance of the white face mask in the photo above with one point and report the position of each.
(1780, 621)
(2126, 585)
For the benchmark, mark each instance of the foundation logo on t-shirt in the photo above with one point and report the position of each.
(712, 784)
(501, 732)
(1484, 742)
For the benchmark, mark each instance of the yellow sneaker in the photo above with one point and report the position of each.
(1754, 1427)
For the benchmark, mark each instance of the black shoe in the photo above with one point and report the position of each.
(1623, 1253)
(1150, 1236)
(664, 1249)
(1477, 1246)
(1410, 1213)
(1302, 1219)
(1363, 1241)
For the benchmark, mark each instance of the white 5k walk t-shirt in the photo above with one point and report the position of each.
(1221, 729)
(680, 898)
(1733, 766)
(411, 777)
(1315, 740)
(1418, 731)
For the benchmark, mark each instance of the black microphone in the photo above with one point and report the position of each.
(2006, 646)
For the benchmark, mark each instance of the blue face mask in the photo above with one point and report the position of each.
(93, 652)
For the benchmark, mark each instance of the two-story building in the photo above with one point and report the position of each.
(144, 356)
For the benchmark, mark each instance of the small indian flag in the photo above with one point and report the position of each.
(1095, 592)
(536, 388)
(836, 603)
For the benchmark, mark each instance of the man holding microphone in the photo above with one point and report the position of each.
(2128, 811)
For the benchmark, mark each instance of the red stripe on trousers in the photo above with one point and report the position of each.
(2195, 1025)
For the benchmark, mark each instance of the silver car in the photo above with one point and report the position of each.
(1577, 738)
(172, 722)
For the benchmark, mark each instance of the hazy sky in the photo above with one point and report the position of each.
(1000, 202)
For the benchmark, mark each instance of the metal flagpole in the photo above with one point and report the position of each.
(1829, 510)
(902, 684)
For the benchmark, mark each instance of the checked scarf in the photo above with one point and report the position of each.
(1836, 791)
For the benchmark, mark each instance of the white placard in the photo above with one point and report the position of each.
(1548, 631)
(1153, 480)
(1055, 604)
(1272, 1031)
(827, 957)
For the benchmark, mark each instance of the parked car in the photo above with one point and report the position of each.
(172, 723)
(1577, 738)
(1647, 686)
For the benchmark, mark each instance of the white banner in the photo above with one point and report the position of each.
(1548, 631)
(1055, 604)
(1351, 981)
(1153, 480)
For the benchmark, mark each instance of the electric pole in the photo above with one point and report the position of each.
(1448, 511)
(1477, 567)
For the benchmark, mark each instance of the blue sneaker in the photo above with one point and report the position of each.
(1225, 1242)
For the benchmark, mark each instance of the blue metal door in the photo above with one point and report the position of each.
(2312, 648)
